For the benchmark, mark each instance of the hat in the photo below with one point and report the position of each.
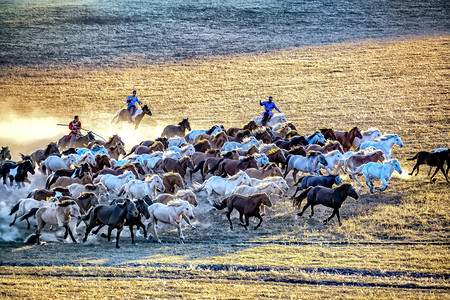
(270, 98)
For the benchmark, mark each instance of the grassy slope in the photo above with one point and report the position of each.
(400, 236)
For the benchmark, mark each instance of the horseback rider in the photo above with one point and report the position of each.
(268, 106)
(75, 130)
(131, 101)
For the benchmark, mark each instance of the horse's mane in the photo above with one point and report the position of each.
(273, 150)
(184, 121)
(248, 139)
(66, 203)
(343, 187)
(149, 177)
(171, 174)
(386, 137)
(236, 176)
(212, 151)
(86, 195)
(177, 202)
(313, 153)
(372, 130)
(127, 165)
(90, 187)
(49, 148)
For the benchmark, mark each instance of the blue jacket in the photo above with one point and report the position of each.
(269, 106)
(132, 101)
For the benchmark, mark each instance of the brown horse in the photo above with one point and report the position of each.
(197, 157)
(252, 126)
(40, 155)
(177, 166)
(264, 136)
(112, 141)
(250, 151)
(171, 181)
(216, 141)
(173, 130)
(333, 198)
(346, 138)
(433, 159)
(101, 161)
(122, 115)
(156, 146)
(119, 171)
(268, 171)
(276, 156)
(240, 136)
(66, 181)
(231, 167)
(44, 194)
(207, 164)
(202, 146)
(247, 206)
(85, 201)
(328, 133)
(330, 146)
(115, 151)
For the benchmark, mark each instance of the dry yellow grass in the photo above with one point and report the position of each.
(399, 86)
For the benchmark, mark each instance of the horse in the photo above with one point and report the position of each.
(231, 167)
(85, 201)
(275, 119)
(382, 171)
(186, 150)
(65, 181)
(202, 146)
(357, 160)
(369, 135)
(268, 188)
(40, 155)
(250, 151)
(384, 143)
(185, 195)
(190, 137)
(138, 189)
(333, 159)
(98, 189)
(223, 186)
(53, 163)
(115, 182)
(247, 206)
(117, 171)
(328, 133)
(315, 138)
(264, 136)
(240, 136)
(115, 151)
(270, 170)
(346, 138)
(58, 215)
(171, 181)
(312, 180)
(101, 161)
(288, 144)
(177, 166)
(112, 141)
(138, 150)
(433, 159)
(130, 220)
(199, 156)
(44, 194)
(276, 156)
(80, 141)
(173, 130)
(171, 213)
(245, 145)
(136, 118)
(310, 163)
(17, 172)
(78, 172)
(5, 154)
(333, 198)
(24, 206)
(111, 215)
(328, 147)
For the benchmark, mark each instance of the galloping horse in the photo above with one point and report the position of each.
(173, 130)
(122, 115)
(16, 172)
(5, 154)
(40, 155)
(346, 138)
(382, 171)
(81, 141)
(385, 143)
(433, 159)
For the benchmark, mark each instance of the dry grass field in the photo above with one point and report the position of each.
(392, 244)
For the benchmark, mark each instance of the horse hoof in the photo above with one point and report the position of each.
(117, 247)
(299, 214)
(193, 227)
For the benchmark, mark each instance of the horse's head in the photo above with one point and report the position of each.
(328, 133)
(131, 208)
(147, 110)
(142, 207)
(351, 192)
(28, 166)
(5, 153)
(265, 199)
(191, 198)
(356, 132)
(398, 141)
(396, 166)
(337, 179)
(275, 171)
(186, 124)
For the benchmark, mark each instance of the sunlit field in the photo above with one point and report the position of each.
(392, 244)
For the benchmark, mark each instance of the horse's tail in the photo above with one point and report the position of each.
(44, 169)
(299, 180)
(200, 188)
(31, 194)
(50, 180)
(122, 191)
(31, 213)
(413, 158)
(132, 150)
(358, 170)
(286, 163)
(216, 166)
(220, 205)
(298, 200)
(197, 168)
(85, 217)
(15, 208)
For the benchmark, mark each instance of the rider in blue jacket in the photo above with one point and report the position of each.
(268, 106)
(131, 101)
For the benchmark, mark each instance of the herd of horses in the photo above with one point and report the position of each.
(241, 168)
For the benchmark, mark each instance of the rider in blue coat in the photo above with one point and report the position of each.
(131, 101)
(268, 106)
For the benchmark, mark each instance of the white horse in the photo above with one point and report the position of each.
(333, 161)
(223, 186)
(115, 182)
(385, 143)
(23, 206)
(95, 150)
(58, 215)
(261, 159)
(98, 189)
(269, 188)
(53, 163)
(190, 137)
(186, 150)
(367, 136)
(280, 181)
(177, 141)
(315, 138)
(245, 145)
(308, 164)
(87, 157)
(121, 162)
(153, 164)
(382, 171)
(135, 189)
(171, 214)
(276, 118)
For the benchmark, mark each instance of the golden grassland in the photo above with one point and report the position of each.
(392, 244)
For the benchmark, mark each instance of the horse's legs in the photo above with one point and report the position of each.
(154, 230)
(70, 233)
(247, 219)
(14, 221)
(312, 211)
(296, 191)
(229, 219)
(369, 183)
(304, 208)
(141, 225)
(260, 221)
(109, 233)
(294, 174)
(355, 178)
(187, 221)
(132, 233)
(180, 233)
(98, 229)
(119, 230)
(40, 225)
(330, 217)
(417, 167)
(28, 224)
(385, 184)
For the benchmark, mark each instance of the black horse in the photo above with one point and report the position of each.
(78, 172)
(113, 216)
(313, 180)
(130, 220)
(5, 154)
(80, 142)
(17, 172)
(333, 198)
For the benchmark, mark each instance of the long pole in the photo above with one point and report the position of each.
(85, 130)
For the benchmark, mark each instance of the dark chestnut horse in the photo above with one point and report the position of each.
(101, 161)
(177, 166)
(433, 159)
(346, 138)
(202, 146)
(138, 150)
(232, 167)
(330, 146)
(247, 206)
(171, 181)
(333, 198)
(328, 133)
(173, 130)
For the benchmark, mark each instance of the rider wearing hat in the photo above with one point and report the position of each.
(268, 106)
(131, 101)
